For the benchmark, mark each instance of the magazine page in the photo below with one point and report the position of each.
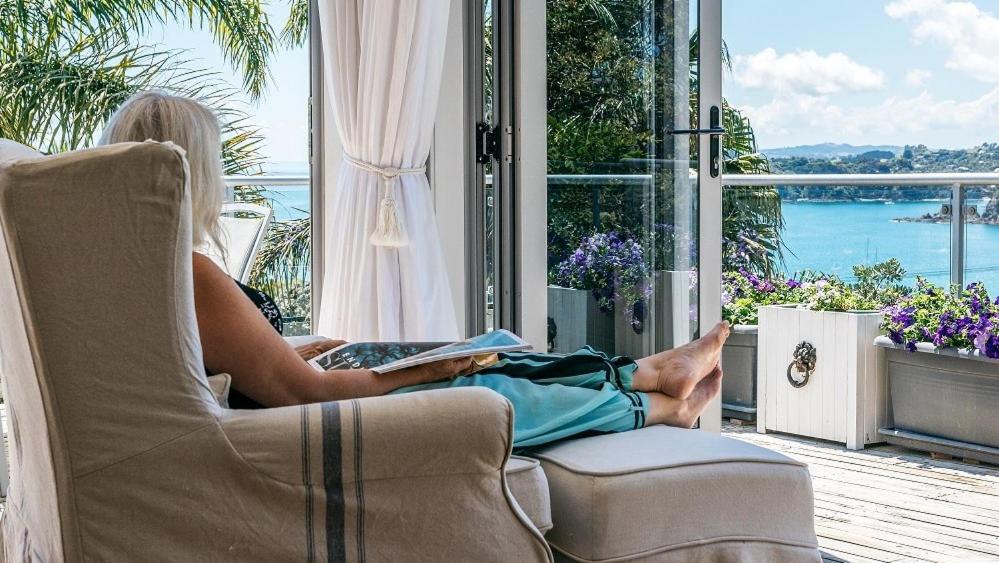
(368, 355)
(482, 345)
(384, 357)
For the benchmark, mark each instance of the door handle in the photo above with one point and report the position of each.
(709, 131)
(715, 131)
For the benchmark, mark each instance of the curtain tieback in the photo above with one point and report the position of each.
(390, 229)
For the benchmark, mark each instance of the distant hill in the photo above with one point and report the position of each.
(828, 150)
(910, 159)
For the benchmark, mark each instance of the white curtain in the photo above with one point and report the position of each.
(382, 64)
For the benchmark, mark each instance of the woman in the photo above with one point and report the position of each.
(553, 396)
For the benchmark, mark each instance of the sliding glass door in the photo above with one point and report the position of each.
(633, 246)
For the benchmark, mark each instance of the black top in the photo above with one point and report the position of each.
(269, 309)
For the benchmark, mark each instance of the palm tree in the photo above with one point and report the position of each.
(240, 27)
(752, 221)
(66, 65)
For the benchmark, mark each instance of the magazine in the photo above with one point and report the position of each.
(385, 357)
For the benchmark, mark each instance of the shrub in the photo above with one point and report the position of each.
(743, 293)
(611, 268)
(876, 286)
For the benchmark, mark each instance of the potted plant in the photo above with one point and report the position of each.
(604, 270)
(660, 312)
(820, 374)
(743, 293)
(942, 363)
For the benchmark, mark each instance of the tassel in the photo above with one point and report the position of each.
(390, 231)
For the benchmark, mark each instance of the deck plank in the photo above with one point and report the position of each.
(888, 503)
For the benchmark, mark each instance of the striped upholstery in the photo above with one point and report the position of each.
(119, 450)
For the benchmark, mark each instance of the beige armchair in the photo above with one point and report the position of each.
(120, 451)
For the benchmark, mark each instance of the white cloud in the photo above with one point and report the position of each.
(923, 118)
(917, 76)
(804, 72)
(970, 35)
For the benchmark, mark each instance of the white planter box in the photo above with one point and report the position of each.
(845, 399)
(667, 320)
(579, 321)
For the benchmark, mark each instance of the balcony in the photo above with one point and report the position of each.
(883, 503)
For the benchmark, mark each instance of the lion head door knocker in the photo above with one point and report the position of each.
(801, 367)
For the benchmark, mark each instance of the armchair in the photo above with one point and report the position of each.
(119, 449)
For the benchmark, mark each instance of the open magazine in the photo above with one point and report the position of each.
(383, 357)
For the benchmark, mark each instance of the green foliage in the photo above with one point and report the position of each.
(876, 286)
(743, 294)
(295, 32)
(67, 65)
(961, 318)
(283, 267)
(611, 89)
(913, 158)
(240, 27)
(58, 97)
(880, 283)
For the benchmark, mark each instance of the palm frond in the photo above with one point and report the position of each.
(240, 27)
(295, 32)
(283, 267)
(57, 97)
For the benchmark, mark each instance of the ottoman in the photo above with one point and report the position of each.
(667, 494)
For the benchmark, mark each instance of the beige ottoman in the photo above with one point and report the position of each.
(666, 494)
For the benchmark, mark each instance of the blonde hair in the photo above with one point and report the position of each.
(195, 128)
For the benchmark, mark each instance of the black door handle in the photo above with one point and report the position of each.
(709, 131)
(715, 149)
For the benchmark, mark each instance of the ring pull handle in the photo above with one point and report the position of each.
(803, 363)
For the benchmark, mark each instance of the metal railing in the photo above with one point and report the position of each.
(957, 182)
(268, 180)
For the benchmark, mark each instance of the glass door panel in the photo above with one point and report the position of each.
(623, 187)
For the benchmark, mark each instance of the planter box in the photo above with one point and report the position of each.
(845, 399)
(667, 324)
(942, 400)
(579, 321)
(739, 361)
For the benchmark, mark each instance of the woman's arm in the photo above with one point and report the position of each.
(236, 339)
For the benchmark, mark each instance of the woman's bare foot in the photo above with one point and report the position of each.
(684, 413)
(676, 372)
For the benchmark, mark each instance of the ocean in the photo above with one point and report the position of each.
(832, 237)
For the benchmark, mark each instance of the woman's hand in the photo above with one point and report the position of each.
(313, 349)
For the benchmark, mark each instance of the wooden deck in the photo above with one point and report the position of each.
(892, 504)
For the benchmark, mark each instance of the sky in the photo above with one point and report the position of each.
(804, 71)
(865, 71)
(282, 113)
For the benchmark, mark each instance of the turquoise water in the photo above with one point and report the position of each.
(832, 237)
(290, 202)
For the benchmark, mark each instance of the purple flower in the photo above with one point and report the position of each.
(895, 336)
(610, 267)
(904, 317)
(792, 283)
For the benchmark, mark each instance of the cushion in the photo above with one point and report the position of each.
(12, 150)
(526, 481)
(664, 493)
(220, 385)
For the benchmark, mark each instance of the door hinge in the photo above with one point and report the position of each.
(508, 155)
(486, 143)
